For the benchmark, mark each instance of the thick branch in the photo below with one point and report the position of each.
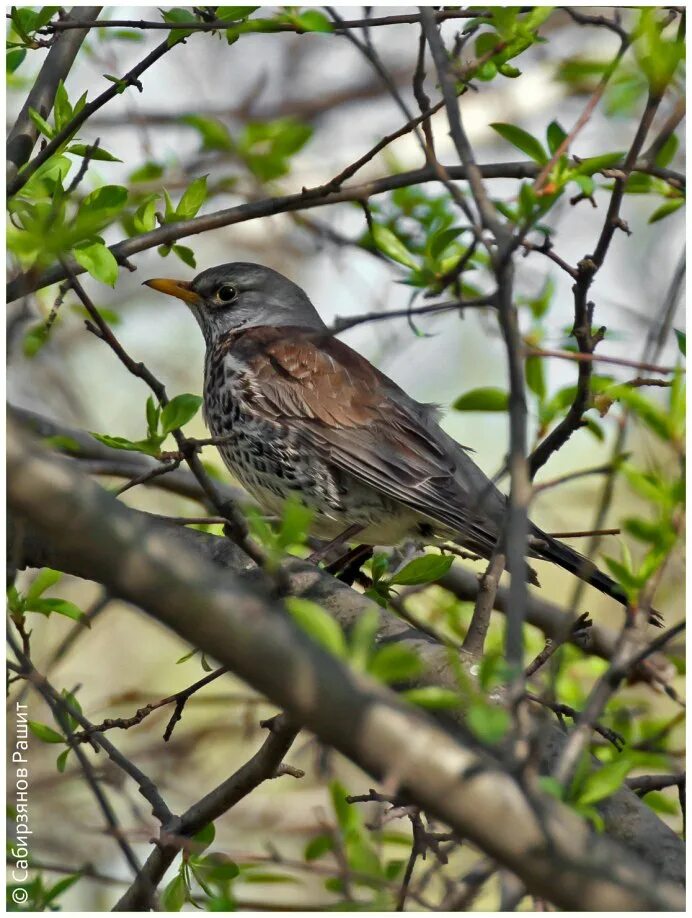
(248, 632)
(23, 136)
(131, 78)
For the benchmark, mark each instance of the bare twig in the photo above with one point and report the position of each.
(176, 837)
(178, 698)
(603, 358)
(474, 642)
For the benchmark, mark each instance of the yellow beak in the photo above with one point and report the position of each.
(178, 288)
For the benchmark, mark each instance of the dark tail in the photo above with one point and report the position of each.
(572, 561)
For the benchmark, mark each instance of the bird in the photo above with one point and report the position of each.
(295, 412)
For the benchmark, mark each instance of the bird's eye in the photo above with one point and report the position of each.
(226, 293)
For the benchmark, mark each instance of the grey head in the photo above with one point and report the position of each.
(241, 295)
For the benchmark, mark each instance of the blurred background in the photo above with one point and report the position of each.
(322, 82)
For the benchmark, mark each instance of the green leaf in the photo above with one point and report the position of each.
(317, 624)
(126, 35)
(656, 418)
(98, 260)
(144, 218)
(527, 200)
(440, 241)
(100, 207)
(295, 523)
(535, 377)
(34, 339)
(494, 671)
(642, 529)
(193, 198)
(550, 785)
(178, 15)
(314, 21)
(624, 577)
(175, 894)
(486, 42)
(681, 338)
(667, 151)
(214, 134)
(347, 816)
(658, 55)
(62, 110)
(179, 411)
(217, 870)
(41, 123)
(204, 837)
(150, 170)
(391, 245)
(83, 149)
(362, 639)
(318, 846)
(60, 606)
(423, 570)
(14, 58)
(586, 184)
(659, 803)
(379, 566)
(395, 663)
(597, 163)
(666, 209)
(432, 697)
(185, 254)
(45, 733)
(64, 444)
(149, 447)
(44, 15)
(73, 703)
(604, 781)
(232, 13)
(266, 876)
(488, 722)
(45, 578)
(555, 136)
(521, 139)
(485, 398)
(61, 760)
(594, 428)
(540, 304)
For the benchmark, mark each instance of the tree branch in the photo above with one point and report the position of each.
(58, 63)
(304, 200)
(247, 631)
(261, 767)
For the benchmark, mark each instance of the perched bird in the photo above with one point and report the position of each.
(301, 413)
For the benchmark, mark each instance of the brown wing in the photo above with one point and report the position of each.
(361, 421)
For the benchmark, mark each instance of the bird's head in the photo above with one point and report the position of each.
(241, 295)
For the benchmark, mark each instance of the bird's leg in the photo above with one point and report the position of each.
(348, 566)
(343, 537)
